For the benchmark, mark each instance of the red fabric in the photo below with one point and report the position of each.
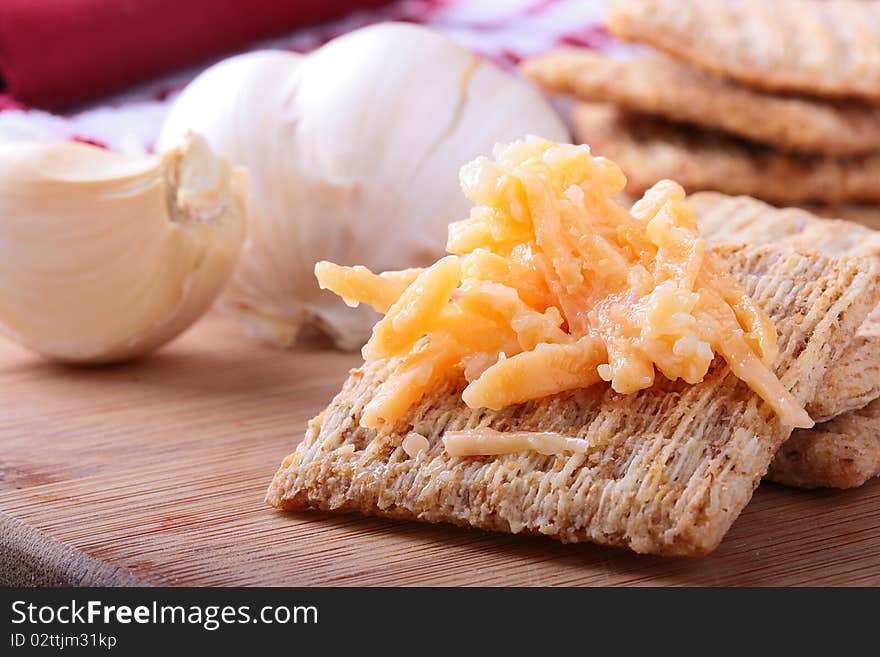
(54, 53)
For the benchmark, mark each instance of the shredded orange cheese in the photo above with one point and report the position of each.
(552, 285)
(488, 442)
(415, 443)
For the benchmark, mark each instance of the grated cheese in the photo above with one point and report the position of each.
(415, 443)
(552, 285)
(488, 442)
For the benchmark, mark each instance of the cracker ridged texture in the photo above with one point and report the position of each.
(670, 469)
(654, 84)
(842, 453)
(741, 218)
(822, 47)
(854, 380)
(649, 149)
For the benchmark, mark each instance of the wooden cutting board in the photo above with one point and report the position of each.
(154, 473)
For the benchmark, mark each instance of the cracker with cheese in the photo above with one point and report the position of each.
(844, 452)
(577, 370)
(854, 380)
(666, 470)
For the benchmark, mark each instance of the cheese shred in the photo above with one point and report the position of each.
(488, 442)
(552, 285)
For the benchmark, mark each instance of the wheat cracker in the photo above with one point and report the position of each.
(652, 83)
(671, 468)
(650, 149)
(822, 47)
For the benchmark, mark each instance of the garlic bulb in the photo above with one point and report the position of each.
(105, 257)
(353, 155)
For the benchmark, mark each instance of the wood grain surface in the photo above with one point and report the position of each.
(154, 473)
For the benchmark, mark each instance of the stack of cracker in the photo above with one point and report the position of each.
(775, 100)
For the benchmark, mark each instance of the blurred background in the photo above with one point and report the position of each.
(107, 71)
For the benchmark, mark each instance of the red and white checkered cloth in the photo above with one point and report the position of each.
(502, 30)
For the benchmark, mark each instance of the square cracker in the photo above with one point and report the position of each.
(818, 47)
(670, 469)
(649, 149)
(854, 380)
(845, 451)
(651, 83)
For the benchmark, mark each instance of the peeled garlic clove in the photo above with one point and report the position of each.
(105, 257)
(353, 155)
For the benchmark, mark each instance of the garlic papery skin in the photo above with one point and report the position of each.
(105, 257)
(353, 155)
